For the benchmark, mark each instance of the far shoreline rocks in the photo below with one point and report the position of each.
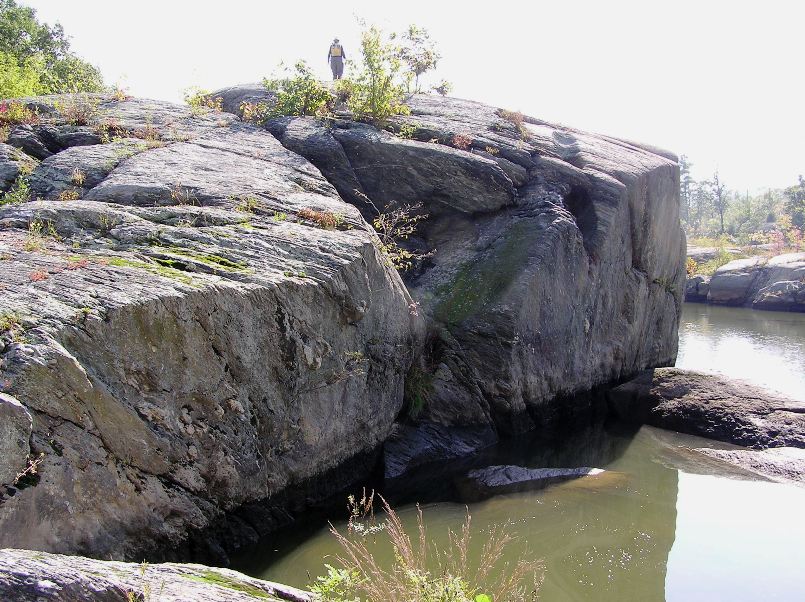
(770, 426)
(776, 284)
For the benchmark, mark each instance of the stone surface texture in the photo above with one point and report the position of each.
(188, 344)
(556, 261)
(27, 576)
(185, 342)
(711, 406)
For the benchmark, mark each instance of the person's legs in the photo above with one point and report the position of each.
(339, 68)
(334, 67)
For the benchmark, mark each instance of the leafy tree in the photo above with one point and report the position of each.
(298, 93)
(19, 79)
(378, 89)
(685, 188)
(418, 53)
(720, 199)
(795, 203)
(28, 47)
(702, 205)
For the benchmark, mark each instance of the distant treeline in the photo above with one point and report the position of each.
(35, 58)
(710, 209)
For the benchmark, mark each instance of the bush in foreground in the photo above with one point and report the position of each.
(421, 572)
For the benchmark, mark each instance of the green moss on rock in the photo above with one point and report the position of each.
(214, 578)
(481, 283)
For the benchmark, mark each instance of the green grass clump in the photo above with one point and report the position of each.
(20, 192)
(708, 268)
(153, 268)
(210, 259)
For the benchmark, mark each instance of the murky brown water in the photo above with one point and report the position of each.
(667, 524)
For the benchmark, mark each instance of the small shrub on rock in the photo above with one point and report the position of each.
(443, 88)
(518, 121)
(324, 219)
(78, 109)
(462, 142)
(201, 103)
(255, 112)
(394, 227)
(69, 194)
(15, 113)
(298, 92)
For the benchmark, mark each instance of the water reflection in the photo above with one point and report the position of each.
(766, 348)
(675, 525)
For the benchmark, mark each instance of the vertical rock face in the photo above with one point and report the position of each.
(184, 341)
(557, 257)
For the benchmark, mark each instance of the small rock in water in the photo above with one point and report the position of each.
(492, 480)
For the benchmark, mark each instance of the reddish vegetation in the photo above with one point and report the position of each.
(75, 265)
(461, 141)
(325, 219)
(38, 275)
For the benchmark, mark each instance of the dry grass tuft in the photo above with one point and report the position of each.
(323, 219)
(421, 570)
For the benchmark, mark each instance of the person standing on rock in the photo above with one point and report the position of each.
(336, 57)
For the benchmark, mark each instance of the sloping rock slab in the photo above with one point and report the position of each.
(781, 464)
(711, 406)
(182, 337)
(27, 576)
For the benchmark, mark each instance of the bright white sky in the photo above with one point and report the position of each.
(719, 81)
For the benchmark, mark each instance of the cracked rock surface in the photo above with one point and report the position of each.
(556, 258)
(184, 342)
(712, 406)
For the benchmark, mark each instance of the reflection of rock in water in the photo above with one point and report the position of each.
(685, 452)
(611, 544)
(594, 445)
(605, 537)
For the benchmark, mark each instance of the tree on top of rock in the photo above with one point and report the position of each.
(35, 58)
(418, 53)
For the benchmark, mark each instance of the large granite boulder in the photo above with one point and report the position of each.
(555, 260)
(201, 321)
(186, 343)
(27, 576)
(760, 282)
(713, 406)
